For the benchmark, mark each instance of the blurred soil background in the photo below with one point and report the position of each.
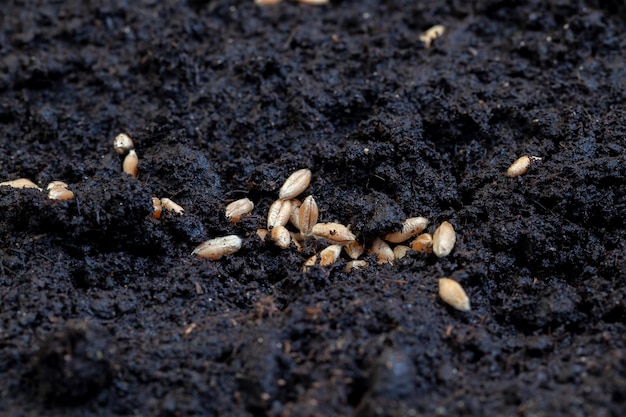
(104, 312)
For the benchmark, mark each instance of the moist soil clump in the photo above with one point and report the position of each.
(105, 312)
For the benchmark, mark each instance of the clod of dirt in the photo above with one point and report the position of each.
(72, 365)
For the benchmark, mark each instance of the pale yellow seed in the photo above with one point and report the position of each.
(329, 255)
(169, 205)
(295, 207)
(238, 208)
(423, 243)
(295, 184)
(410, 227)
(333, 233)
(131, 162)
(431, 34)
(281, 237)
(262, 233)
(356, 264)
(56, 184)
(21, 183)
(444, 239)
(216, 248)
(453, 294)
(354, 249)
(157, 208)
(383, 251)
(307, 215)
(400, 251)
(279, 213)
(122, 144)
(59, 193)
(309, 263)
(521, 165)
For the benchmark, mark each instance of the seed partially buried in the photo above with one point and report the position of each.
(410, 227)
(333, 233)
(131, 162)
(238, 208)
(521, 165)
(20, 183)
(453, 294)
(57, 190)
(216, 248)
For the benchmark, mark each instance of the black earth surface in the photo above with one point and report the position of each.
(105, 312)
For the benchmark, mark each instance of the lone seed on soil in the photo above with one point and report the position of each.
(214, 249)
(453, 294)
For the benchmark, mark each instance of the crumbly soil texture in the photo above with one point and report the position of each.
(105, 312)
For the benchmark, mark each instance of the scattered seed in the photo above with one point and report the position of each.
(131, 161)
(216, 248)
(122, 144)
(169, 205)
(279, 213)
(410, 228)
(383, 251)
(238, 208)
(431, 34)
(453, 294)
(295, 207)
(307, 215)
(521, 165)
(281, 237)
(21, 183)
(295, 184)
(60, 193)
(309, 263)
(356, 264)
(333, 233)
(400, 251)
(57, 190)
(157, 208)
(354, 249)
(56, 184)
(423, 243)
(444, 239)
(329, 255)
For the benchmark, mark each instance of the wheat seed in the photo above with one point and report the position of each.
(333, 233)
(238, 208)
(131, 162)
(444, 239)
(453, 294)
(295, 184)
(169, 205)
(307, 216)
(21, 183)
(216, 248)
(410, 228)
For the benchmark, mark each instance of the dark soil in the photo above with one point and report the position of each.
(104, 312)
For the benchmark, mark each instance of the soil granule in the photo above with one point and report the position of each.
(104, 312)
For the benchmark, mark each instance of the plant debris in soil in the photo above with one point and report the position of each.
(104, 312)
